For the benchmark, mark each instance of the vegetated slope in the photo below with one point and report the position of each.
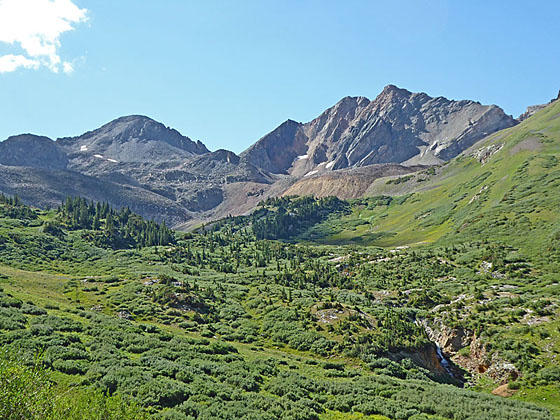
(501, 188)
(215, 325)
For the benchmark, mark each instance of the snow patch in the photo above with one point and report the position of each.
(310, 173)
(83, 149)
(302, 157)
(329, 165)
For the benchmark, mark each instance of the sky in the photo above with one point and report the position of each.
(228, 72)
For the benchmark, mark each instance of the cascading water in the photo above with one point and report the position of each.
(444, 362)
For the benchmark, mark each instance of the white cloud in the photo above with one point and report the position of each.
(12, 62)
(67, 67)
(35, 26)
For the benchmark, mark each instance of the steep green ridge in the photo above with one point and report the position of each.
(219, 324)
(510, 195)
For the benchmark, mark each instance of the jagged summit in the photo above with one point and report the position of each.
(394, 90)
(398, 126)
(276, 151)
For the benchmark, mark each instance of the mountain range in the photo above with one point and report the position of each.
(137, 162)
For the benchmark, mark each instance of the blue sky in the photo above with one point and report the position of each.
(227, 72)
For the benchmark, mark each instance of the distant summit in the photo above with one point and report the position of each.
(134, 138)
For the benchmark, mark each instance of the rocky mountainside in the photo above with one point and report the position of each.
(138, 151)
(348, 183)
(32, 151)
(397, 127)
(164, 175)
(132, 161)
(131, 139)
(48, 188)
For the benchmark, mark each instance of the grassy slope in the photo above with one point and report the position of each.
(451, 204)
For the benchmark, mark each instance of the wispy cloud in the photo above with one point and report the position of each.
(35, 26)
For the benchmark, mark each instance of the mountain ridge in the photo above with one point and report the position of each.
(398, 127)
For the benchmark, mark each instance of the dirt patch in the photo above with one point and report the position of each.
(339, 259)
(347, 183)
(503, 391)
(483, 154)
(531, 143)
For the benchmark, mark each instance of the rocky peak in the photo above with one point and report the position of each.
(142, 128)
(531, 110)
(225, 156)
(344, 110)
(32, 151)
(133, 138)
(398, 126)
(391, 92)
(276, 151)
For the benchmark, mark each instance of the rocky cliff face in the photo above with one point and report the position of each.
(277, 151)
(397, 127)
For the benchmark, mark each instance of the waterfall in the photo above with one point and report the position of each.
(444, 362)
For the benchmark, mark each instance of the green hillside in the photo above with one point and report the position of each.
(306, 309)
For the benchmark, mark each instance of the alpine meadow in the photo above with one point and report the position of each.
(393, 258)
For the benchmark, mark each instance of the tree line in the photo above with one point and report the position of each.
(112, 228)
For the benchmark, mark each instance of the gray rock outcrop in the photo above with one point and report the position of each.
(397, 127)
